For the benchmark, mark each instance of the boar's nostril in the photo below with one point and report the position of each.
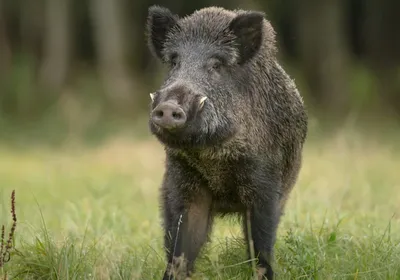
(159, 113)
(176, 115)
(168, 115)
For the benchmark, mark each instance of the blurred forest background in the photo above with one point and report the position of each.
(67, 66)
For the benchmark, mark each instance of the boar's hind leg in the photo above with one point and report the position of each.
(184, 244)
(264, 221)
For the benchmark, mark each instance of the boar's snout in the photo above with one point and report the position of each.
(168, 115)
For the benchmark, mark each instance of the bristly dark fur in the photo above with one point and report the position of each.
(243, 149)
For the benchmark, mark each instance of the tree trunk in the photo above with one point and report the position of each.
(382, 39)
(5, 49)
(31, 28)
(56, 55)
(107, 19)
(323, 53)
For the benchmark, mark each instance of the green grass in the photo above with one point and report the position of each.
(93, 214)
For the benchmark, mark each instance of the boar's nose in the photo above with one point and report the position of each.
(168, 115)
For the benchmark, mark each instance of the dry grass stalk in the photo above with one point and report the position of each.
(251, 246)
(6, 246)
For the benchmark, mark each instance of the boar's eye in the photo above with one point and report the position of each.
(215, 64)
(173, 60)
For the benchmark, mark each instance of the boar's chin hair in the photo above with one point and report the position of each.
(208, 133)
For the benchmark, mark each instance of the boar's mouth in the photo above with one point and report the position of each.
(195, 135)
(187, 135)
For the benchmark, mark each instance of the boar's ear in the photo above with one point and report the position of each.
(247, 28)
(159, 21)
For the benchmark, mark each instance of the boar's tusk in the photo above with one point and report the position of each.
(152, 96)
(202, 102)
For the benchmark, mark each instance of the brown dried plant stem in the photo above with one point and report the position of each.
(3, 230)
(6, 246)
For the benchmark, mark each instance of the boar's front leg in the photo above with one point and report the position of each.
(263, 224)
(263, 216)
(187, 222)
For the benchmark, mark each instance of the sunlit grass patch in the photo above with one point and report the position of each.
(94, 214)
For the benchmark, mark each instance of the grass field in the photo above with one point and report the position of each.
(92, 213)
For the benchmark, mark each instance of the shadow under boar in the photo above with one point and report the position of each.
(233, 125)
